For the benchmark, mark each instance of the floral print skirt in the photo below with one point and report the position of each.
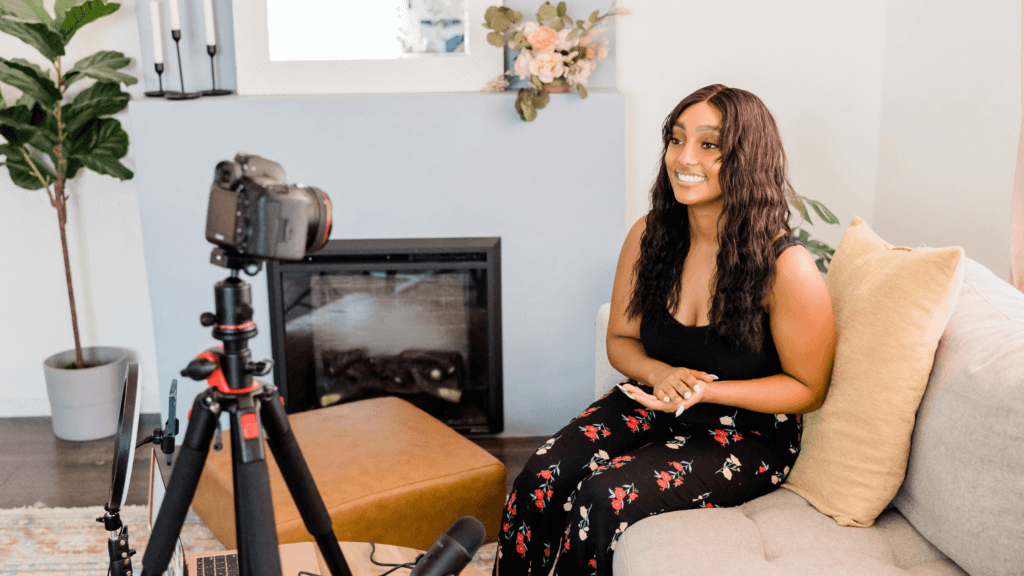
(618, 463)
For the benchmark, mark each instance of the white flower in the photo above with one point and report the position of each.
(547, 67)
(583, 512)
(725, 420)
(528, 28)
(785, 470)
(602, 454)
(542, 451)
(593, 466)
(775, 479)
(563, 40)
(568, 506)
(781, 417)
(583, 535)
(522, 64)
(734, 460)
(496, 85)
(580, 72)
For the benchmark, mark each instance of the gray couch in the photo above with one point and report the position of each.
(960, 509)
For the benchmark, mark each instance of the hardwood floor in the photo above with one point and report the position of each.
(37, 467)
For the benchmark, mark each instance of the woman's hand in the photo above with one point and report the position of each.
(674, 390)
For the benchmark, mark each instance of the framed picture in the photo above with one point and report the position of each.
(363, 46)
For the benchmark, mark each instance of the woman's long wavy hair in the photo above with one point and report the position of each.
(753, 178)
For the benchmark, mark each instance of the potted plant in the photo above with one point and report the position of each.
(48, 136)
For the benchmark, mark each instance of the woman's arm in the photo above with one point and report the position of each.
(625, 352)
(800, 312)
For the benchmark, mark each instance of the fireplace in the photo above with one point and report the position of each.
(419, 319)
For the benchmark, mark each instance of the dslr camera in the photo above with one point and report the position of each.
(255, 213)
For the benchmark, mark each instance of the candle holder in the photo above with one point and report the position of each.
(211, 49)
(160, 78)
(176, 34)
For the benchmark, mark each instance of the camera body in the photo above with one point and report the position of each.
(254, 212)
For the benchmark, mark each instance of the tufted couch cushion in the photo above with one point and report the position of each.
(777, 534)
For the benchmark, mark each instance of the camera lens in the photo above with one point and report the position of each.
(319, 220)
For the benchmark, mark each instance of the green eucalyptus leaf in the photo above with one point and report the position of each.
(823, 212)
(108, 144)
(49, 43)
(581, 90)
(561, 9)
(557, 25)
(529, 114)
(572, 34)
(541, 99)
(103, 65)
(27, 10)
(547, 12)
(516, 36)
(489, 14)
(593, 17)
(79, 16)
(524, 95)
(21, 173)
(100, 99)
(496, 39)
(517, 17)
(535, 81)
(29, 80)
(500, 23)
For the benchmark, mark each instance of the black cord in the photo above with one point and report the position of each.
(304, 573)
(410, 565)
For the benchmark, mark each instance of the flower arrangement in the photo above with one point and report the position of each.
(557, 53)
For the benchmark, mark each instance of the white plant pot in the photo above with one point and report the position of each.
(85, 402)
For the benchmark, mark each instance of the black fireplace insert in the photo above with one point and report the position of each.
(416, 318)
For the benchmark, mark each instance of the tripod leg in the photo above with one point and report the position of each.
(182, 486)
(300, 483)
(256, 531)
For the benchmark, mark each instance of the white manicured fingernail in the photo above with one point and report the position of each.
(626, 392)
(687, 395)
(713, 377)
(679, 411)
(667, 399)
(696, 388)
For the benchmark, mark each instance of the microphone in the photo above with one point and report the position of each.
(453, 550)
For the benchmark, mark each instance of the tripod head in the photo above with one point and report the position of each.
(229, 367)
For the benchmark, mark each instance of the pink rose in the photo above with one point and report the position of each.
(543, 40)
(522, 65)
(548, 66)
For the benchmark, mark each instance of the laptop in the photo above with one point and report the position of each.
(295, 558)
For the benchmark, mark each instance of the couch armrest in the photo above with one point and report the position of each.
(605, 376)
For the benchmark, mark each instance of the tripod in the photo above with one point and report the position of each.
(229, 372)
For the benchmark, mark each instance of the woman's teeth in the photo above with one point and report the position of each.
(688, 178)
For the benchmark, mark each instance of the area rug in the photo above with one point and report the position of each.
(69, 541)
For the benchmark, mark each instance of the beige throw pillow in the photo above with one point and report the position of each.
(891, 305)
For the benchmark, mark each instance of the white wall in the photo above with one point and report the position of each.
(903, 112)
(105, 242)
(816, 65)
(950, 124)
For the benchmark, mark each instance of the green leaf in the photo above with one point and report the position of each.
(516, 36)
(21, 174)
(79, 16)
(535, 80)
(100, 99)
(541, 99)
(500, 24)
(103, 65)
(798, 201)
(561, 9)
(823, 212)
(593, 17)
(489, 15)
(29, 80)
(517, 17)
(496, 39)
(547, 12)
(581, 90)
(39, 36)
(21, 125)
(557, 25)
(27, 10)
(39, 69)
(821, 265)
(106, 142)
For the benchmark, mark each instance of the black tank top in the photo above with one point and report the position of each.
(698, 348)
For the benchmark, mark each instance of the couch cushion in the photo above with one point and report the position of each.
(776, 534)
(963, 489)
(891, 305)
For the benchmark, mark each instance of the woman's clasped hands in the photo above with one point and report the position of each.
(675, 390)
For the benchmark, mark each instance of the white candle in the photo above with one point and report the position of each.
(211, 35)
(175, 21)
(158, 33)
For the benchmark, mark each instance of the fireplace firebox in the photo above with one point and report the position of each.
(418, 318)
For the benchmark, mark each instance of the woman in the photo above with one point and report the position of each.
(724, 327)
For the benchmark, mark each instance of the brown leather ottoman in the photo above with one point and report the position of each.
(386, 470)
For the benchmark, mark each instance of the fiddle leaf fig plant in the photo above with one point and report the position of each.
(49, 135)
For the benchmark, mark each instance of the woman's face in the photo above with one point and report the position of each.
(694, 156)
